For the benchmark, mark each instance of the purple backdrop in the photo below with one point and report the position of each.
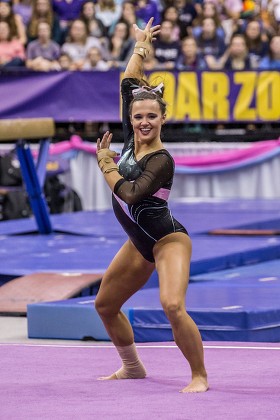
(94, 96)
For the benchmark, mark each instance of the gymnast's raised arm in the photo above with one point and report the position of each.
(133, 76)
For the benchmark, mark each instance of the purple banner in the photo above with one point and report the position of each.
(64, 96)
(248, 96)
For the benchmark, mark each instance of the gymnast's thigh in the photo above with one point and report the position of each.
(172, 256)
(126, 274)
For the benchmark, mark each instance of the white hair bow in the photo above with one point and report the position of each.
(156, 89)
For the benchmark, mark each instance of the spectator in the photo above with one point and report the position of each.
(145, 9)
(67, 11)
(42, 54)
(166, 50)
(238, 58)
(17, 28)
(272, 60)
(256, 41)
(11, 50)
(128, 15)
(187, 14)
(229, 12)
(171, 13)
(209, 10)
(108, 12)
(120, 44)
(228, 9)
(189, 58)
(94, 61)
(79, 42)
(65, 62)
(43, 12)
(23, 8)
(209, 42)
(95, 26)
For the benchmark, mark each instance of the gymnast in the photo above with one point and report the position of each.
(141, 183)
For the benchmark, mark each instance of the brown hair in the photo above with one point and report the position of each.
(10, 19)
(36, 19)
(147, 93)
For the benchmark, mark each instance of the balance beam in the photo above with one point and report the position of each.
(26, 128)
(22, 130)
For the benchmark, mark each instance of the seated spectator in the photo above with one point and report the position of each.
(145, 9)
(235, 58)
(79, 42)
(67, 11)
(187, 14)
(189, 58)
(256, 41)
(94, 61)
(43, 12)
(11, 50)
(272, 60)
(128, 15)
(229, 12)
(209, 10)
(42, 54)
(108, 12)
(14, 21)
(65, 62)
(120, 45)
(171, 13)
(23, 8)
(228, 9)
(166, 50)
(95, 26)
(209, 42)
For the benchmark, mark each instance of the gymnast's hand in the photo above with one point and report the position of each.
(148, 33)
(103, 147)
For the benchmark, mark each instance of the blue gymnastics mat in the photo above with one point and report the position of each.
(198, 217)
(223, 311)
(268, 271)
(26, 254)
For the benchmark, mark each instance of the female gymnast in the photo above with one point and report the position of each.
(141, 184)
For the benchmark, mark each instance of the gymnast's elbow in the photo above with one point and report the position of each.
(129, 198)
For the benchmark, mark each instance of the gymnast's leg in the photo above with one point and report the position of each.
(172, 256)
(127, 273)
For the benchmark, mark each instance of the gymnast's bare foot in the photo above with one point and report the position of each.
(106, 378)
(137, 372)
(198, 384)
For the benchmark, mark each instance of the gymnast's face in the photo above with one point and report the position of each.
(147, 120)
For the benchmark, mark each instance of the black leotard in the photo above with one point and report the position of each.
(140, 199)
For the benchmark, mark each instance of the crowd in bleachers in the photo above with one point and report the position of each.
(44, 35)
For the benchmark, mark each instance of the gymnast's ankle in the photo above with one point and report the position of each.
(132, 367)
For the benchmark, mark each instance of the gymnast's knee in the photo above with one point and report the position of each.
(105, 308)
(173, 308)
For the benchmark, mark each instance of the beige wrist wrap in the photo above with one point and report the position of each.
(105, 160)
(143, 48)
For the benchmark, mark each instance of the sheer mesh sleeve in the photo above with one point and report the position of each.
(127, 86)
(159, 170)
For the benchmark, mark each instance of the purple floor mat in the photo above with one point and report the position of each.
(59, 382)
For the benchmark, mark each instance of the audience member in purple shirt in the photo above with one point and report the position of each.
(43, 53)
(145, 9)
(67, 10)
